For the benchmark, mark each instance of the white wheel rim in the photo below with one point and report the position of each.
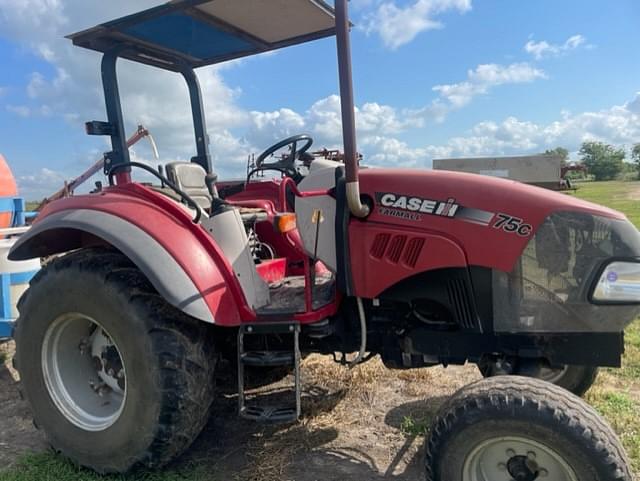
(516, 458)
(83, 372)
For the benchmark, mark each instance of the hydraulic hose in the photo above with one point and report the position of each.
(186, 197)
(363, 334)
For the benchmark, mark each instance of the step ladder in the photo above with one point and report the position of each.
(269, 413)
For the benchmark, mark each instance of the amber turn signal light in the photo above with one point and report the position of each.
(285, 222)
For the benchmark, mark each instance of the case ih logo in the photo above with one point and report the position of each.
(397, 205)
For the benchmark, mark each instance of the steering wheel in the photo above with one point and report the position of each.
(287, 164)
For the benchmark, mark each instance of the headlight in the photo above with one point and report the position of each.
(619, 283)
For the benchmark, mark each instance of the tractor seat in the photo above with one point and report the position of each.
(190, 178)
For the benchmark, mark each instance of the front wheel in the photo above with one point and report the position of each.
(577, 379)
(521, 429)
(115, 376)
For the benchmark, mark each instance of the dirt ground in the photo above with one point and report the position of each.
(359, 424)
(17, 433)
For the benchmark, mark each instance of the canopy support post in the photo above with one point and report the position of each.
(348, 110)
(202, 157)
(120, 152)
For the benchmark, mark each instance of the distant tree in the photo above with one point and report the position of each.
(635, 156)
(603, 161)
(561, 151)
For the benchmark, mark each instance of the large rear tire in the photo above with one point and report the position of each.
(522, 429)
(577, 379)
(116, 377)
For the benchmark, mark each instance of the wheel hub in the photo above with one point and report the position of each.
(515, 458)
(106, 361)
(521, 468)
(83, 372)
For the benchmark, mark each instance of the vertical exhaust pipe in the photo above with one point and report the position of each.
(343, 42)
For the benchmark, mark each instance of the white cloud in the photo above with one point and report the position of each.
(268, 127)
(400, 25)
(479, 82)
(485, 77)
(20, 110)
(618, 125)
(3, 91)
(40, 183)
(543, 49)
(373, 117)
(390, 151)
(323, 121)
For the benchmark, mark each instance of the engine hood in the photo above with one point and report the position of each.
(492, 219)
(478, 191)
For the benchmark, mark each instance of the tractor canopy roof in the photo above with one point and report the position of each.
(195, 33)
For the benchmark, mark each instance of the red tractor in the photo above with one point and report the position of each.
(151, 284)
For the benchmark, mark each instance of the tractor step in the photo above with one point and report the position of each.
(269, 413)
(268, 358)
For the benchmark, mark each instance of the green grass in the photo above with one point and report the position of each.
(47, 467)
(414, 427)
(622, 196)
(621, 410)
(31, 205)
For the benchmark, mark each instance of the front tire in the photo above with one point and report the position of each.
(577, 379)
(116, 377)
(511, 427)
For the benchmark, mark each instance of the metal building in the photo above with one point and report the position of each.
(541, 169)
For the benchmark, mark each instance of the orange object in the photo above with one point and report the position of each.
(8, 188)
(285, 222)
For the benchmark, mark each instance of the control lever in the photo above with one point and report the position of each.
(210, 182)
(161, 172)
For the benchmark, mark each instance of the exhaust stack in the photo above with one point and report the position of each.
(343, 42)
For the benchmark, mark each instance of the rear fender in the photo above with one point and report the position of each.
(178, 257)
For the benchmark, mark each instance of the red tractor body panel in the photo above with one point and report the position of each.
(171, 226)
(392, 253)
(426, 219)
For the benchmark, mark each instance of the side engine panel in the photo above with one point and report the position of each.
(382, 256)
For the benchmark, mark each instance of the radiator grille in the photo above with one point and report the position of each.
(459, 300)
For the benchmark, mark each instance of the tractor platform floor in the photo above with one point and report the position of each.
(287, 295)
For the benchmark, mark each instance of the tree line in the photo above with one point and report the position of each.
(603, 161)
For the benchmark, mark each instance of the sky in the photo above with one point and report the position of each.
(432, 78)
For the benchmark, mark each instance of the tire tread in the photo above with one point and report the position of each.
(182, 344)
(550, 401)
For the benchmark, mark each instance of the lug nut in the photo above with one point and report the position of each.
(543, 473)
(511, 453)
(531, 455)
(502, 466)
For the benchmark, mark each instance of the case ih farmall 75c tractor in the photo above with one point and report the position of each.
(150, 285)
